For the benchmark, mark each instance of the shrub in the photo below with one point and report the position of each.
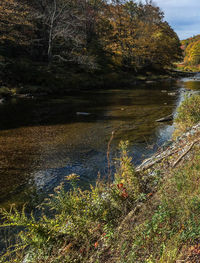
(73, 224)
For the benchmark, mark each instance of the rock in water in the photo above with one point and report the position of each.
(83, 113)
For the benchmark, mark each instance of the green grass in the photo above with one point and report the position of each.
(171, 223)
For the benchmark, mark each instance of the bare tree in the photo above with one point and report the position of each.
(64, 21)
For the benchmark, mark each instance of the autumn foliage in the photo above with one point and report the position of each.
(191, 50)
(97, 34)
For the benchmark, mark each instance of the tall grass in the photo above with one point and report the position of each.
(73, 224)
(171, 224)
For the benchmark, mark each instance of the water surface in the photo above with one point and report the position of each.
(44, 139)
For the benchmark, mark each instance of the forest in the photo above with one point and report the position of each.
(74, 43)
(191, 48)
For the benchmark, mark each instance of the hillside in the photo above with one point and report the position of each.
(191, 48)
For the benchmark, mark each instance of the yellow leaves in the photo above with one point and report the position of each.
(141, 40)
(72, 177)
(157, 35)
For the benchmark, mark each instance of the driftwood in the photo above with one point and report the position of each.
(166, 154)
(181, 157)
(167, 118)
(140, 168)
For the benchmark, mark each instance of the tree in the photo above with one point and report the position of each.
(140, 38)
(64, 30)
(193, 53)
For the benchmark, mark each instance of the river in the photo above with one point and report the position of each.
(44, 139)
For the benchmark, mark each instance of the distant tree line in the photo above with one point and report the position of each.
(191, 48)
(89, 35)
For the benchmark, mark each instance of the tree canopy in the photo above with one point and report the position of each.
(191, 47)
(89, 34)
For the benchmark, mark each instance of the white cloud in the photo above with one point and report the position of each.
(182, 15)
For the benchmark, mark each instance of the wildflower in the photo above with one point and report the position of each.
(104, 235)
(120, 186)
(96, 244)
(150, 194)
(72, 177)
(81, 250)
(124, 193)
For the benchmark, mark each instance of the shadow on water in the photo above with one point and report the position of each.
(42, 140)
(51, 111)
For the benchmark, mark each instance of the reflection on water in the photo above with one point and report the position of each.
(43, 140)
(193, 83)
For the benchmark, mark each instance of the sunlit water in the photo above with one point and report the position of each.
(43, 140)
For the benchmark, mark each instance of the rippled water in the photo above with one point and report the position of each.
(43, 140)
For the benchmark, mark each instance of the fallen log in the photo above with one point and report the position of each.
(181, 157)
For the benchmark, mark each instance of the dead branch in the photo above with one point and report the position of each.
(181, 157)
(108, 156)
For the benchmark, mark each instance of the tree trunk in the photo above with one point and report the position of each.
(51, 28)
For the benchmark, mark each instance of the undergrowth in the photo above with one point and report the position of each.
(73, 223)
(171, 224)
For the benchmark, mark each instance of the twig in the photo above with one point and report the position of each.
(180, 158)
(108, 156)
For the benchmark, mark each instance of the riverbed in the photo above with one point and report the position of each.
(44, 139)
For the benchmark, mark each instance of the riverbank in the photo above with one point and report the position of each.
(147, 214)
(46, 83)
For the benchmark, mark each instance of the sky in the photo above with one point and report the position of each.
(182, 15)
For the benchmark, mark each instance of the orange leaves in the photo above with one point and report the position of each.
(67, 248)
(124, 194)
(96, 244)
(120, 186)
(123, 190)
(194, 253)
(195, 249)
